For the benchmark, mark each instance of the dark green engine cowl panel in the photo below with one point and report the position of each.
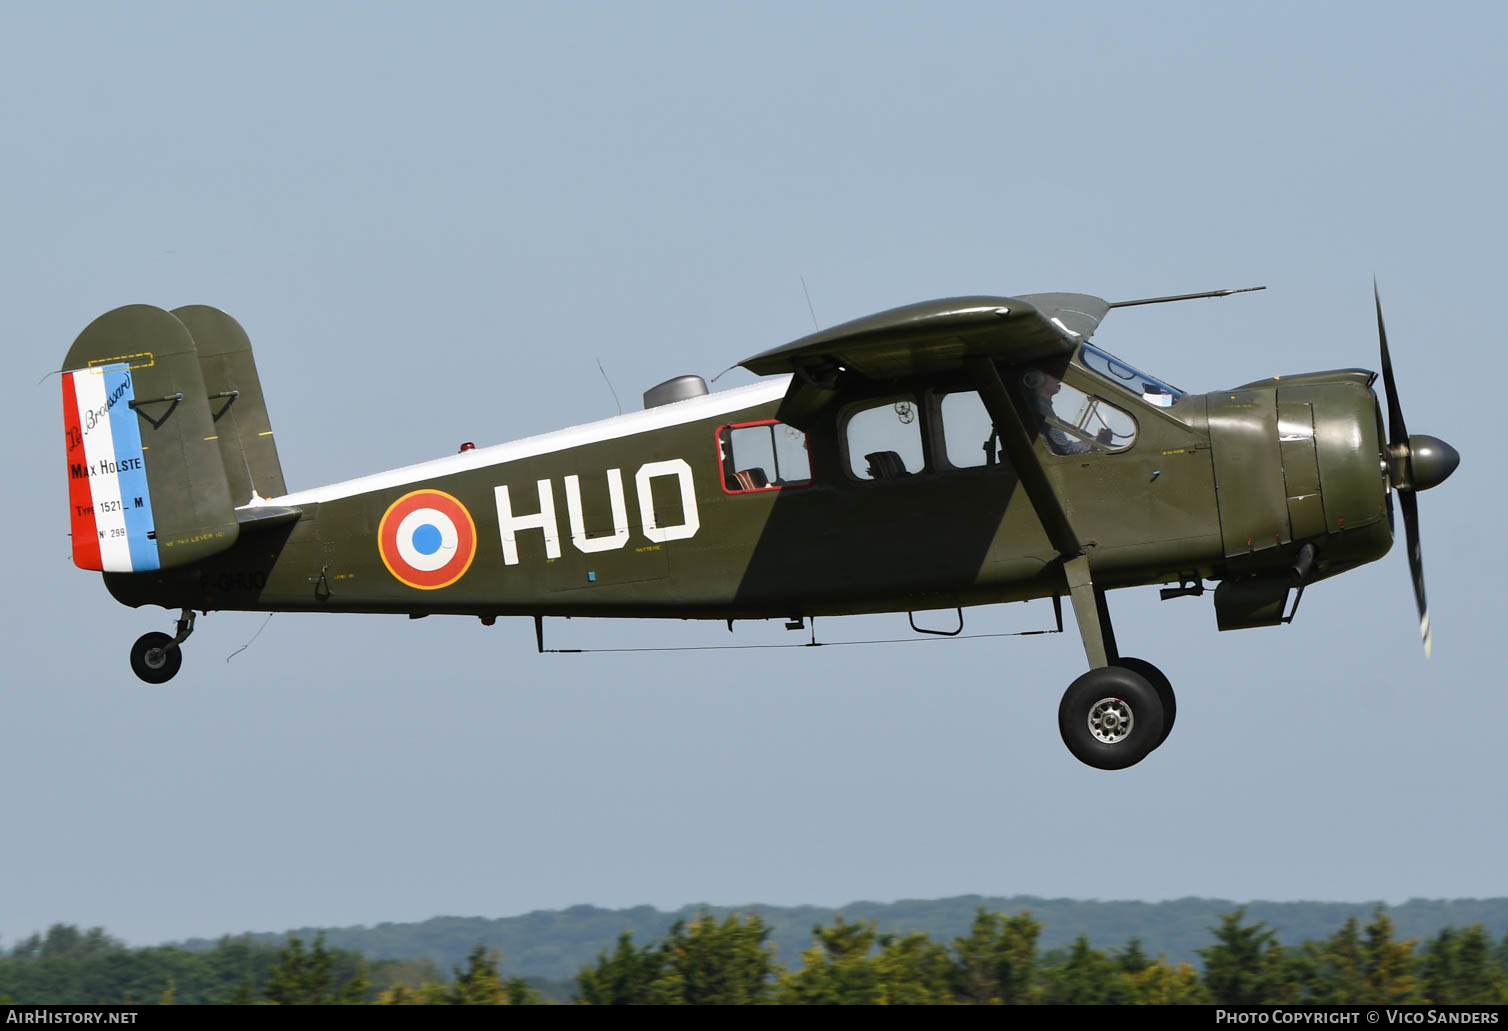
(1299, 461)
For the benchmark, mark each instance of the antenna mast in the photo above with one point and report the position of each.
(1186, 297)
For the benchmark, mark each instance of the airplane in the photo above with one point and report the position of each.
(945, 454)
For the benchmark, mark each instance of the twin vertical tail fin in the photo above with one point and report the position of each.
(236, 404)
(166, 434)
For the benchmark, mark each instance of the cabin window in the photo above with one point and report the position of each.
(1073, 422)
(760, 456)
(884, 440)
(969, 437)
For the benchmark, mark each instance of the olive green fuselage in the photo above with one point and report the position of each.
(1227, 485)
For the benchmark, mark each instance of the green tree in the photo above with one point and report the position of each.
(1458, 969)
(66, 941)
(1335, 973)
(1389, 965)
(480, 984)
(1243, 967)
(913, 970)
(837, 970)
(997, 962)
(1087, 977)
(307, 978)
(27, 948)
(299, 979)
(622, 979)
(705, 963)
(1161, 985)
(1131, 959)
(1437, 966)
(516, 992)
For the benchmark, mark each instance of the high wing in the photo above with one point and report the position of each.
(929, 337)
(937, 336)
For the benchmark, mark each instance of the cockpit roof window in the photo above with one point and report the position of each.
(1151, 389)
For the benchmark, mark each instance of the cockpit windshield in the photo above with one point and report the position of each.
(1149, 388)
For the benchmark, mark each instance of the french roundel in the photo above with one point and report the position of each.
(427, 539)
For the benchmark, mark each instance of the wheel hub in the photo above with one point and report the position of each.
(1110, 720)
(155, 658)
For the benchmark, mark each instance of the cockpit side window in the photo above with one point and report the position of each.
(1149, 388)
(884, 440)
(762, 456)
(968, 432)
(1073, 422)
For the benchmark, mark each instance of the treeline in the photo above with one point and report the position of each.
(998, 962)
(557, 943)
(67, 965)
(731, 961)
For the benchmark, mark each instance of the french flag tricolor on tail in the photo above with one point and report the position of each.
(110, 508)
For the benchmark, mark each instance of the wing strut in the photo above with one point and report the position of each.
(1089, 608)
(1017, 443)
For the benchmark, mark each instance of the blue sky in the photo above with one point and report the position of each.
(434, 222)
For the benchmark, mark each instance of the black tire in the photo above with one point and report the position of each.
(1108, 695)
(1164, 688)
(152, 660)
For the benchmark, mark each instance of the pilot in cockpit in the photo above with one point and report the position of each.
(1043, 388)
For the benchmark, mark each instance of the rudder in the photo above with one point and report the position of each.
(146, 485)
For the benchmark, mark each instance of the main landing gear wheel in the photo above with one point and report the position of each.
(1111, 718)
(154, 658)
(1154, 676)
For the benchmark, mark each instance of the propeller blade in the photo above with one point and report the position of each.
(1409, 502)
(1397, 432)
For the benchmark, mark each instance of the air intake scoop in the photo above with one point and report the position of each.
(682, 388)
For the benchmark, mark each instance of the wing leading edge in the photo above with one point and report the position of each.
(938, 336)
(928, 338)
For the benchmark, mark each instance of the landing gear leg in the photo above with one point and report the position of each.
(1091, 612)
(156, 657)
(1111, 717)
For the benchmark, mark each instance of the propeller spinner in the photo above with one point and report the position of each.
(1415, 463)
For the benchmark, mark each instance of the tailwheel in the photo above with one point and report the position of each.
(154, 658)
(1160, 683)
(1111, 718)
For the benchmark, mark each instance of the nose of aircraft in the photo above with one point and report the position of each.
(1431, 461)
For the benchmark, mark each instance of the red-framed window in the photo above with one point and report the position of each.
(754, 457)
